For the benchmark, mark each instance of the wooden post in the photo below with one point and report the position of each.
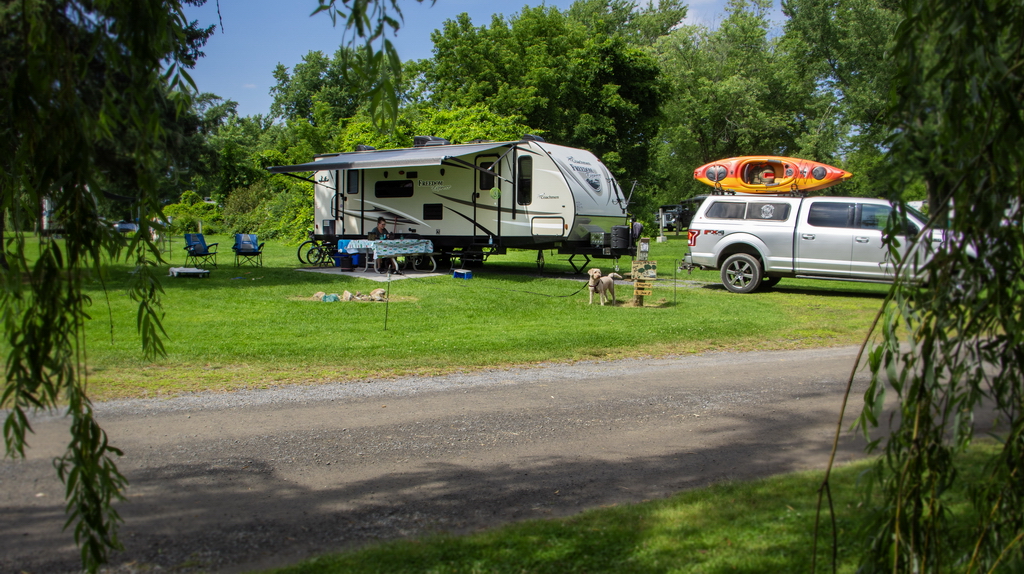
(644, 275)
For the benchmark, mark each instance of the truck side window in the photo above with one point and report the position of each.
(827, 214)
(874, 216)
(726, 210)
(877, 217)
(768, 211)
(524, 187)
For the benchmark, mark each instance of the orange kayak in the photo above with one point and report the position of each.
(769, 174)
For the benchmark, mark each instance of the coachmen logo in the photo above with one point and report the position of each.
(584, 168)
(323, 179)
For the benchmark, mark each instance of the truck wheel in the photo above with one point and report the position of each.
(741, 273)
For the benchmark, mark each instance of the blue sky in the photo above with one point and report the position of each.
(259, 34)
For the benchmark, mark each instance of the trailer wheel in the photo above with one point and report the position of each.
(741, 273)
(768, 282)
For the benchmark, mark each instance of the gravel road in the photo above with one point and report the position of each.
(255, 479)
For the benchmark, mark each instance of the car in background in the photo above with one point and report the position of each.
(126, 227)
(669, 215)
(687, 209)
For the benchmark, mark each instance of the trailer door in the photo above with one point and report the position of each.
(487, 200)
(351, 197)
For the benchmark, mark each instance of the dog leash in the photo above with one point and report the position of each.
(585, 285)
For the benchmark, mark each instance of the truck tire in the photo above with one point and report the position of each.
(741, 273)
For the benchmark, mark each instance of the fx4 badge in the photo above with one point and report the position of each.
(693, 233)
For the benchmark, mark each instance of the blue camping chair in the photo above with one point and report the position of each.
(248, 250)
(196, 250)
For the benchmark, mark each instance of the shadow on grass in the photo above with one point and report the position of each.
(828, 289)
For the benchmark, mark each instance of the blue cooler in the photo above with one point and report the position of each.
(343, 247)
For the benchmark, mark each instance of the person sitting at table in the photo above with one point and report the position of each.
(380, 233)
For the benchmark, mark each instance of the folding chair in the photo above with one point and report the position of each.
(248, 250)
(197, 251)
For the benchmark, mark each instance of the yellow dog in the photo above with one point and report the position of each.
(603, 285)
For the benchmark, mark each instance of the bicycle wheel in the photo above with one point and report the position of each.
(324, 256)
(304, 248)
(314, 254)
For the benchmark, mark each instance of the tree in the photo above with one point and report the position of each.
(590, 90)
(317, 79)
(953, 344)
(77, 80)
(845, 46)
(380, 67)
(640, 26)
(732, 93)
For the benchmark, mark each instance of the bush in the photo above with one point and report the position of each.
(184, 217)
(288, 213)
(244, 210)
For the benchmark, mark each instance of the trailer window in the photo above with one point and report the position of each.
(727, 210)
(393, 188)
(524, 185)
(352, 185)
(826, 214)
(486, 179)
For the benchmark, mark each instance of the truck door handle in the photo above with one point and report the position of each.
(807, 236)
(861, 239)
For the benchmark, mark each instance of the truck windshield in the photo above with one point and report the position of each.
(922, 217)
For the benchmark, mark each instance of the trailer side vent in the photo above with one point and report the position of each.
(427, 141)
(532, 138)
(433, 211)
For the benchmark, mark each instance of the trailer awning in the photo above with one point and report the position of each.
(404, 157)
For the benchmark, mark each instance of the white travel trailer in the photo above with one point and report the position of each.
(475, 199)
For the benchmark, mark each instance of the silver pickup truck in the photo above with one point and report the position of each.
(756, 241)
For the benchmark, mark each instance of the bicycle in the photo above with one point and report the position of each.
(321, 255)
(305, 248)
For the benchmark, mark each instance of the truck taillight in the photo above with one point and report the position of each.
(692, 236)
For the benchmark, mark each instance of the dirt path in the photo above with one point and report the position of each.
(267, 478)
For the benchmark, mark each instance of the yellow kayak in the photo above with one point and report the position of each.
(769, 174)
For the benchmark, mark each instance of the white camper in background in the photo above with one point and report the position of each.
(475, 199)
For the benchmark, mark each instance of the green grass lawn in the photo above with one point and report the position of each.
(750, 527)
(248, 326)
